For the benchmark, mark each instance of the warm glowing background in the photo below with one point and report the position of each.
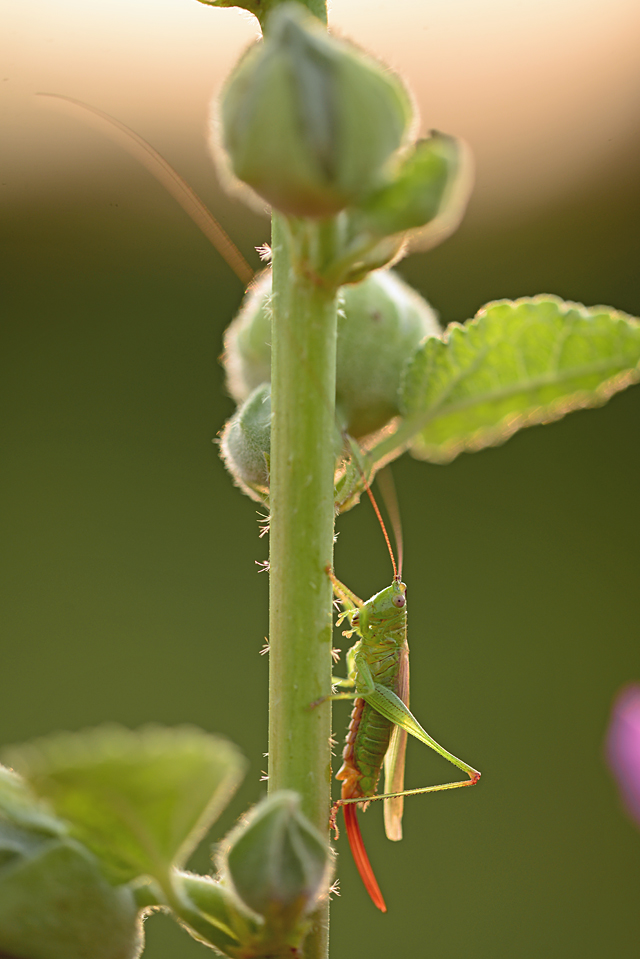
(547, 92)
(130, 590)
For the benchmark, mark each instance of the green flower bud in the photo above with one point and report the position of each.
(247, 341)
(310, 122)
(384, 321)
(380, 324)
(56, 904)
(433, 182)
(279, 864)
(245, 443)
(211, 912)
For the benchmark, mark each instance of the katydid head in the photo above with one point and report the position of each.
(389, 604)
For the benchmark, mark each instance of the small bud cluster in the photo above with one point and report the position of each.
(318, 129)
(325, 134)
(381, 322)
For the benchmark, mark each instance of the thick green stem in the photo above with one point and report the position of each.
(302, 465)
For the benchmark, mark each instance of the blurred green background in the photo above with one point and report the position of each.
(130, 589)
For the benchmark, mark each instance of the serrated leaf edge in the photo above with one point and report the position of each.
(510, 424)
(402, 439)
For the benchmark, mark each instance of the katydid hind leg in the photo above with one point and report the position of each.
(389, 705)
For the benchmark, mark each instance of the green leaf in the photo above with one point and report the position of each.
(55, 903)
(20, 806)
(140, 800)
(515, 364)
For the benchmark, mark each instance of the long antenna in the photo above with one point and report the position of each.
(171, 180)
(396, 574)
(355, 453)
(384, 479)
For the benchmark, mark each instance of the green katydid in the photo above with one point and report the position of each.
(378, 673)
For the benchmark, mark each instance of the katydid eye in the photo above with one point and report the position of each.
(399, 601)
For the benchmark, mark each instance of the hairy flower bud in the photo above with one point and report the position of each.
(384, 322)
(381, 321)
(310, 122)
(245, 442)
(247, 341)
(279, 864)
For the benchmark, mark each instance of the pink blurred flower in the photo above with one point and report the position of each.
(623, 747)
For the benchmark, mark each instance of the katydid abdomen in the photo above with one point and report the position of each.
(366, 744)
